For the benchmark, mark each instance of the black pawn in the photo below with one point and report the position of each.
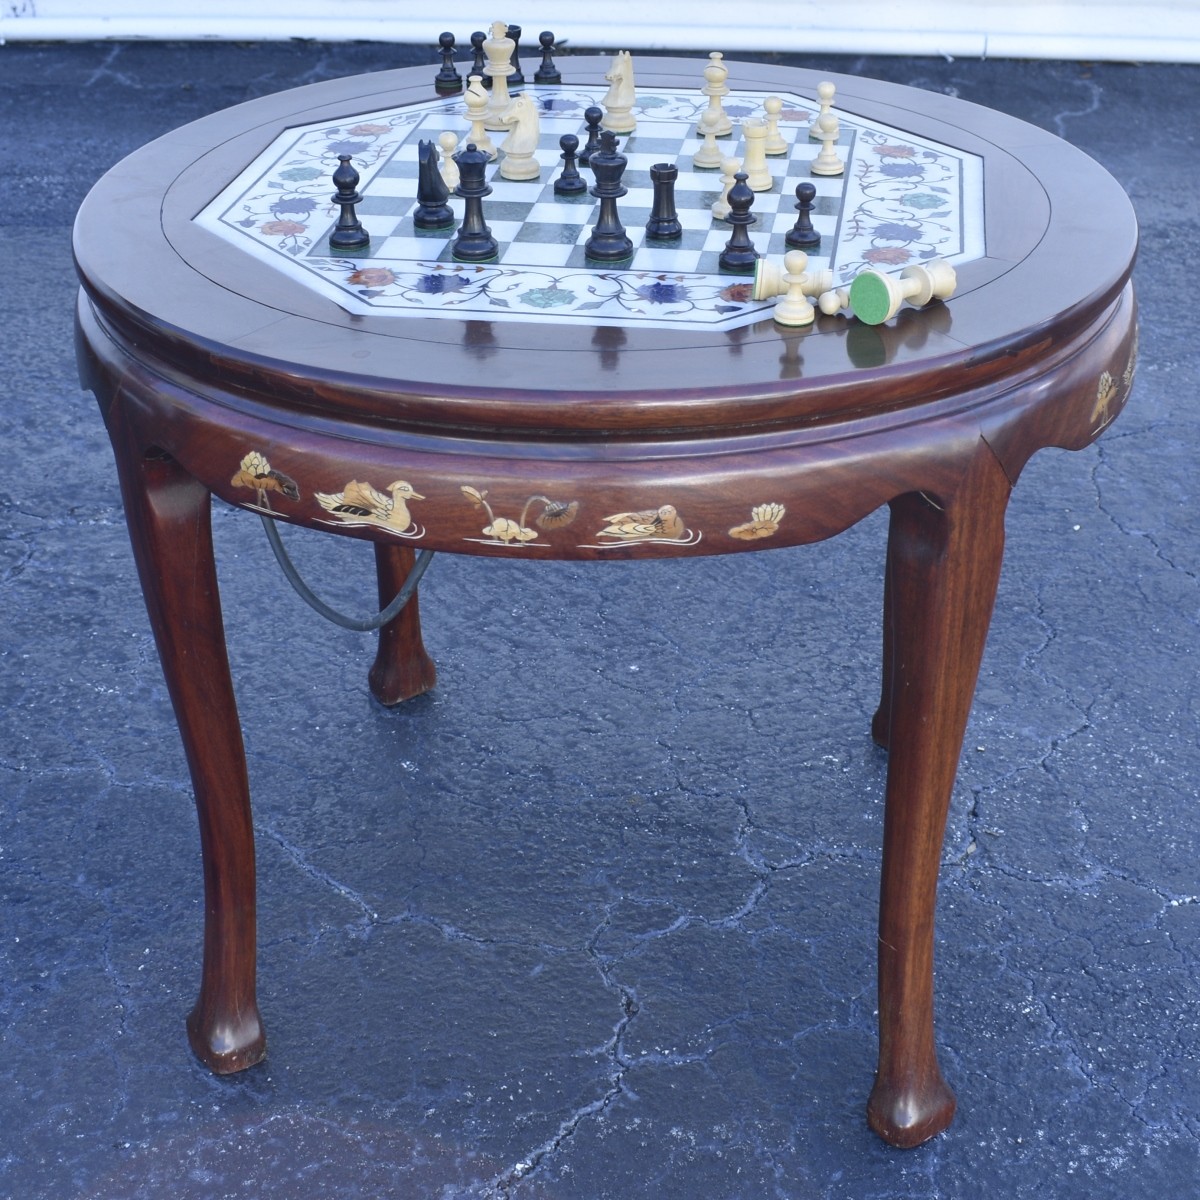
(447, 79)
(547, 72)
(608, 240)
(479, 61)
(570, 182)
(664, 220)
(348, 233)
(432, 211)
(739, 253)
(474, 241)
(593, 116)
(802, 234)
(516, 79)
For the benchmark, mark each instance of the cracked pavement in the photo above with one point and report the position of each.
(596, 918)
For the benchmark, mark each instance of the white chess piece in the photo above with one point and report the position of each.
(825, 94)
(758, 174)
(729, 168)
(834, 301)
(518, 149)
(876, 297)
(448, 143)
(476, 100)
(709, 156)
(618, 103)
(792, 285)
(498, 48)
(714, 88)
(776, 143)
(827, 162)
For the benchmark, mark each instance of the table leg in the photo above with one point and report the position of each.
(943, 568)
(402, 669)
(168, 513)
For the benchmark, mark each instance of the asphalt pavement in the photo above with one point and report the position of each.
(596, 918)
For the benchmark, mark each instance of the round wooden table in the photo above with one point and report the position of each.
(218, 374)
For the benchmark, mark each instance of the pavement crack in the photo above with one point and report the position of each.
(1094, 93)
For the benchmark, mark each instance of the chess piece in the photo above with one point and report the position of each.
(714, 88)
(729, 169)
(474, 241)
(739, 253)
(827, 162)
(608, 240)
(592, 117)
(478, 62)
(618, 102)
(664, 223)
(570, 182)
(834, 301)
(776, 143)
(876, 297)
(447, 79)
(521, 144)
(432, 211)
(802, 235)
(758, 174)
(476, 100)
(517, 78)
(792, 285)
(825, 94)
(709, 156)
(448, 143)
(498, 48)
(348, 233)
(547, 72)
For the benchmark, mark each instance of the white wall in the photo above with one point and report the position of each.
(1132, 30)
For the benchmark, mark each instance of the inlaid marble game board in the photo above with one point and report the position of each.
(901, 200)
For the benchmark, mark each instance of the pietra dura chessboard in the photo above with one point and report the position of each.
(902, 199)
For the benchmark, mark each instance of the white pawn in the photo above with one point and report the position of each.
(825, 93)
(834, 301)
(827, 162)
(709, 156)
(714, 88)
(790, 285)
(729, 168)
(477, 101)
(448, 143)
(876, 297)
(776, 144)
(498, 48)
(618, 103)
(758, 174)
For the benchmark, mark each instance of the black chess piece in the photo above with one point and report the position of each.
(592, 116)
(432, 211)
(608, 241)
(348, 233)
(517, 78)
(547, 72)
(802, 234)
(479, 61)
(739, 253)
(447, 79)
(570, 182)
(664, 224)
(474, 241)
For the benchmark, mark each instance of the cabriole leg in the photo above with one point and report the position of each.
(402, 669)
(168, 513)
(943, 568)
